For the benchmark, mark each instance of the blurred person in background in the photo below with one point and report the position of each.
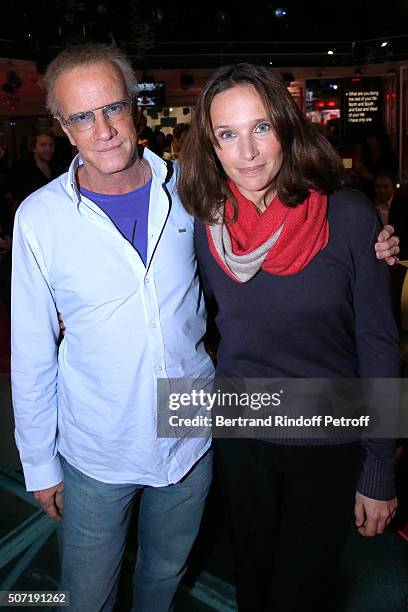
(372, 155)
(5, 268)
(146, 139)
(38, 169)
(392, 208)
(180, 132)
(160, 140)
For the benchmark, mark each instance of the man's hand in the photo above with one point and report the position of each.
(387, 246)
(51, 500)
(373, 515)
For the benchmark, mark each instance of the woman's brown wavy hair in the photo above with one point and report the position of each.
(309, 160)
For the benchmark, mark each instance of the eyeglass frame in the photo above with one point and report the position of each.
(68, 122)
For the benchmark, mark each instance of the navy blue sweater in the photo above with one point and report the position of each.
(334, 319)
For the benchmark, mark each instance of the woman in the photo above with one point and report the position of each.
(288, 257)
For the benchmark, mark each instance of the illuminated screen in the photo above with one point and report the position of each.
(150, 94)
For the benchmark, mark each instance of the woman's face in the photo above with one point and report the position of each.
(249, 151)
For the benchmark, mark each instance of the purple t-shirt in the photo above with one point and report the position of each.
(129, 212)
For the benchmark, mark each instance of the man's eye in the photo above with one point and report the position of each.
(115, 109)
(261, 128)
(81, 118)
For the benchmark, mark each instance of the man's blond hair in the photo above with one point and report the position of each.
(85, 55)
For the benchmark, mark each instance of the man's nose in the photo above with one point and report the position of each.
(103, 130)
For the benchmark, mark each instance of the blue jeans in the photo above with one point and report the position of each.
(94, 529)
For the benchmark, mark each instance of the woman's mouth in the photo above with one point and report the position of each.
(252, 170)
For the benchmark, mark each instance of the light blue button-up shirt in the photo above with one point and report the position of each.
(93, 399)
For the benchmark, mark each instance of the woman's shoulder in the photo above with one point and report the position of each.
(353, 218)
(350, 205)
(347, 196)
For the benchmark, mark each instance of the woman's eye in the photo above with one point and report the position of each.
(226, 135)
(261, 128)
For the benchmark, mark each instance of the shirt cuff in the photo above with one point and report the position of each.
(43, 476)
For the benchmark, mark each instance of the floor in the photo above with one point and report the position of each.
(373, 576)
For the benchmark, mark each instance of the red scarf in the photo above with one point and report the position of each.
(243, 247)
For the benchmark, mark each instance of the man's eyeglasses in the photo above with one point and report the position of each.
(80, 122)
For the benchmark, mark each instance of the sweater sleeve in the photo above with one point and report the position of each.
(212, 336)
(200, 235)
(377, 342)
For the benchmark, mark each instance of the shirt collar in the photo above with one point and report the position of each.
(157, 165)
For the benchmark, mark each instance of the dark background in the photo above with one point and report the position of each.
(179, 33)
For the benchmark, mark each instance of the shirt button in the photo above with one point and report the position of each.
(154, 324)
(147, 280)
(159, 368)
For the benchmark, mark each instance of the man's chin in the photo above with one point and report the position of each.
(111, 166)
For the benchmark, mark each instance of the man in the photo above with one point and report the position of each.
(179, 133)
(392, 208)
(110, 247)
(37, 170)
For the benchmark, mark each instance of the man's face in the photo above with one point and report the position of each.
(383, 189)
(44, 148)
(108, 147)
